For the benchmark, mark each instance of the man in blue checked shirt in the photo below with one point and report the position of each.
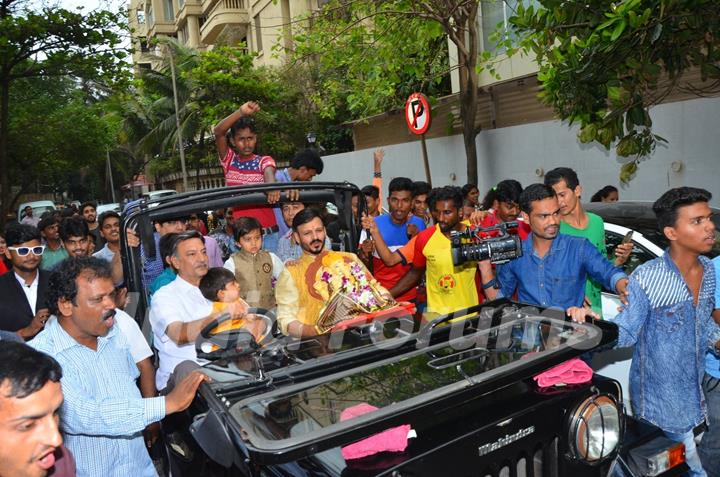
(554, 267)
(669, 321)
(103, 414)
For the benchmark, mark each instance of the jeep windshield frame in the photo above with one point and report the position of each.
(140, 217)
(453, 375)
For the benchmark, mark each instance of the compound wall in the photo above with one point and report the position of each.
(691, 157)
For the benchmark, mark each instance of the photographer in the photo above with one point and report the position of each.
(449, 287)
(553, 268)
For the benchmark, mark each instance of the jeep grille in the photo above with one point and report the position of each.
(542, 461)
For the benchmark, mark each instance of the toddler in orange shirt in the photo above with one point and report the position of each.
(220, 287)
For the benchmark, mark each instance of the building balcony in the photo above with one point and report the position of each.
(190, 7)
(221, 15)
(161, 28)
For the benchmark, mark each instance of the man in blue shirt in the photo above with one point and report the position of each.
(553, 268)
(669, 321)
(396, 228)
(103, 415)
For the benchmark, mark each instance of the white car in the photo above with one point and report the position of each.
(39, 207)
(156, 194)
(105, 207)
(648, 243)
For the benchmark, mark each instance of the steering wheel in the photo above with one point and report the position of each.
(216, 341)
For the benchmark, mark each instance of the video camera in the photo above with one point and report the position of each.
(482, 243)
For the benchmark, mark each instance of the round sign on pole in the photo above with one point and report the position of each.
(417, 113)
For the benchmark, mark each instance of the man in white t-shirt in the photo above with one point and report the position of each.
(179, 311)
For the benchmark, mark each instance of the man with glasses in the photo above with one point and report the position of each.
(22, 290)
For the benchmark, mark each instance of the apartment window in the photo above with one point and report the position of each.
(181, 3)
(140, 15)
(494, 22)
(150, 15)
(258, 34)
(169, 10)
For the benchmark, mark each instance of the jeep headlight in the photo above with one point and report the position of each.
(594, 428)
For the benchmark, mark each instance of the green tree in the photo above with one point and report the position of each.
(228, 79)
(370, 55)
(56, 138)
(49, 42)
(210, 85)
(604, 64)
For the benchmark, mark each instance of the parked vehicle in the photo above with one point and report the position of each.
(280, 407)
(156, 194)
(39, 207)
(115, 207)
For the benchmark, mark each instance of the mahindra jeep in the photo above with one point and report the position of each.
(462, 385)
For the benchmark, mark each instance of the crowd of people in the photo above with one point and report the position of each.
(82, 390)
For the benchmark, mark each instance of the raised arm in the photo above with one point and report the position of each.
(378, 157)
(388, 257)
(220, 130)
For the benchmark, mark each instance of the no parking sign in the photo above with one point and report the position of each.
(417, 113)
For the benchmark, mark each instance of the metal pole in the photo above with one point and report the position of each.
(426, 161)
(177, 122)
(109, 168)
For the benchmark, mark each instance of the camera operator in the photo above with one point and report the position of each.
(449, 287)
(553, 268)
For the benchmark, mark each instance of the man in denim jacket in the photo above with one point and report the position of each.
(669, 321)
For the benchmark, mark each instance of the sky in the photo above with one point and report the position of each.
(93, 4)
(89, 5)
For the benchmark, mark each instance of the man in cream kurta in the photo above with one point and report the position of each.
(301, 293)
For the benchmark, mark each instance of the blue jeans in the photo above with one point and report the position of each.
(691, 454)
(270, 242)
(709, 448)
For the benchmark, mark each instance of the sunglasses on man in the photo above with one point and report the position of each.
(23, 251)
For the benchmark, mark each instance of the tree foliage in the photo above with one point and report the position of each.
(604, 64)
(57, 139)
(367, 57)
(50, 42)
(372, 53)
(210, 85)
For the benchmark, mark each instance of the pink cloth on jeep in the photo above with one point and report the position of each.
(573, 371)
(391, 440)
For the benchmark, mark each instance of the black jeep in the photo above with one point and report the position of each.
(463, 383)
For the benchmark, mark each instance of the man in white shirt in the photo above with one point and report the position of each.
(179, 311)
(29, 218)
